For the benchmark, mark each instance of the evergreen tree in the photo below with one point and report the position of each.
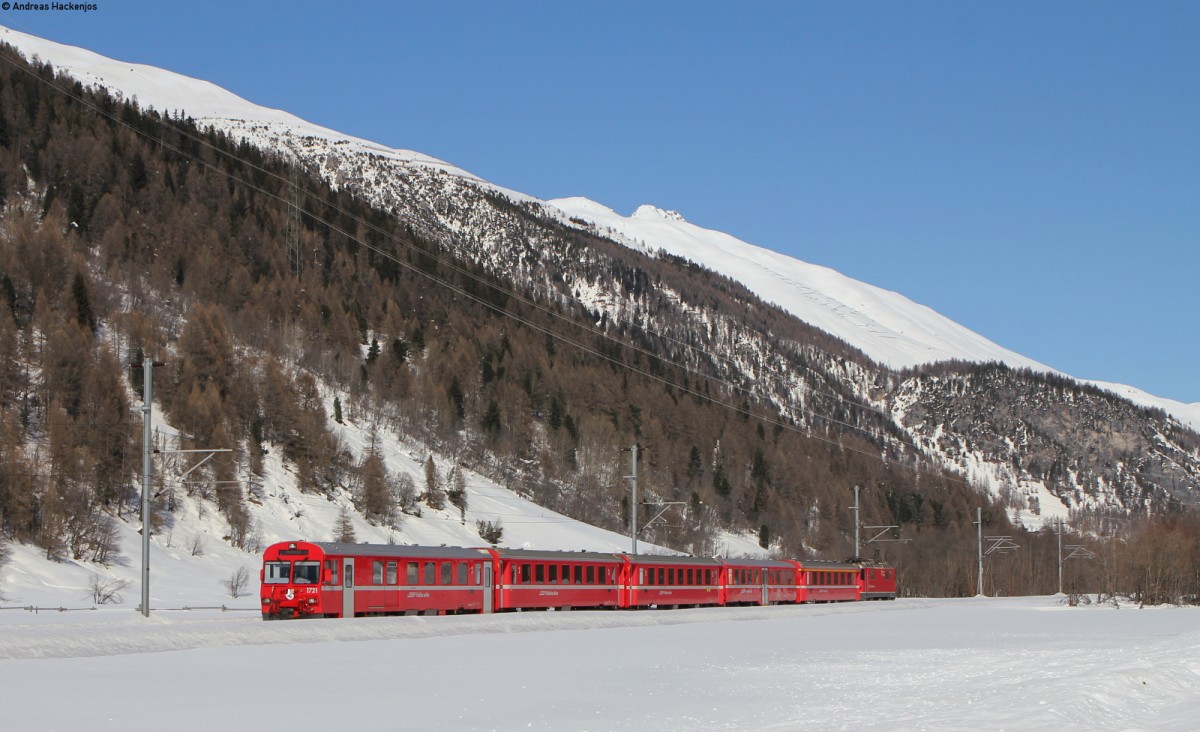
(343, 529)
(435, 497)
(457, 492)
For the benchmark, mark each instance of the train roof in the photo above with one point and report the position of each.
(748, 562)
(672, 559)
(558, 556)
(400, 550)
(826, 564)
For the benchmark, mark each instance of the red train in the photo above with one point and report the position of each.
(303, 579)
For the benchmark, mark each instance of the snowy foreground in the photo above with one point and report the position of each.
(1018, 664)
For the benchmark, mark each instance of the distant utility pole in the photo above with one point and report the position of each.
(1060, 530)
(881, 529)
(979, 534)
(1075, 551)
(147, 473)
(633, 504)
(148, 470)
(996, 544)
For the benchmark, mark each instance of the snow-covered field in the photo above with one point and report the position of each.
(1023, 663)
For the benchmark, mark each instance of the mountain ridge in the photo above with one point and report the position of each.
(864, 315)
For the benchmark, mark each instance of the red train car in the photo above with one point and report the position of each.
(670, 581)
(537, 580)
(824, 581)
(876, 581)
(758, 582)
(312, 579)
(332, 580)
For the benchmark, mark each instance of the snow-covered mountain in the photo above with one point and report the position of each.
(887, 326)
(1037, 455)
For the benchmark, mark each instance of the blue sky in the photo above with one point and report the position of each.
(1030, 170)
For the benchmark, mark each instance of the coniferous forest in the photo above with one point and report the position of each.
(279, 305)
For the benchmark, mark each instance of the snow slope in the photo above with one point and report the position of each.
(885, 325)
(1023, 663)
(190, 559)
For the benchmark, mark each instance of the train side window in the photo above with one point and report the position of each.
(447, 573)
(462, 574)
(577, 574)
(589, 575)
(553, 578)
(414, 571)
(377, 572)
(524, 573)
(391, 573)
(539, 574)
(430, 573)
(332, 566)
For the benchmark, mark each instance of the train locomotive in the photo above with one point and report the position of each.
(302, 579)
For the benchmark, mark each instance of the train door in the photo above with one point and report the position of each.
(487, 587)
(348, 588)
(765, 597)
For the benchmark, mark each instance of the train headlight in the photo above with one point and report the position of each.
(266, 601)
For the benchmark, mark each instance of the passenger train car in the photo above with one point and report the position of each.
(303, 579)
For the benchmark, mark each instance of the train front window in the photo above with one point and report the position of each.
(307, 573)
(277, 573)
